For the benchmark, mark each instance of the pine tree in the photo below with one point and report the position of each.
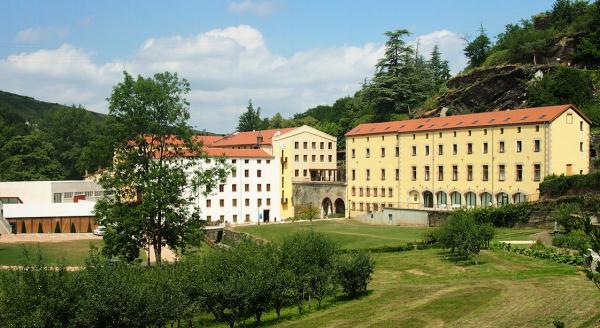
(477, 50)
(250, 120)
(439, 68)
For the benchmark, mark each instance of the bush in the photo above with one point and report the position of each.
(542, 253)
(463, 234)
(555, 186)
(569, 216)
(354, 272)
(576, 240)
(503, 216)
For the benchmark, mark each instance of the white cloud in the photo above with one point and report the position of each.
(34, 34)
(450, 44)
(85, 21)
(225, 67)
(253, 7)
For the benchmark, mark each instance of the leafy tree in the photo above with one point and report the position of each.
(568, 215)
(250, 120)
(28, 158)
(439, 68)
(355, 271)
(462, 233)
(477, 50)
(153, 181)
(307, 212)
(565, 85)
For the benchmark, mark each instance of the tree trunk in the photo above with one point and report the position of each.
(278, 311)
(258, 315)
(148, 252)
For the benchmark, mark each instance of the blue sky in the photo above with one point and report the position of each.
(285, 55)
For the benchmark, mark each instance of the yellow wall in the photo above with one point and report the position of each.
(559, 144)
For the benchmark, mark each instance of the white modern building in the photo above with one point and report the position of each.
(251, 193)
(43, 192)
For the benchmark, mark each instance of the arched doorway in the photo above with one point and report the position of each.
(326, 206)
(486, 199)
(455, 198)
(501, 198)
(442, 199)
(340, 207)
(428, 199)
(470, 199)
(519, 198)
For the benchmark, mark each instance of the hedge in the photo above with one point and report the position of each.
(542, 253)
(560, 185)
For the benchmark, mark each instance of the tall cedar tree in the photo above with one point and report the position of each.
(477, 50)
(439, 68)
(250, 120)
(153, 181)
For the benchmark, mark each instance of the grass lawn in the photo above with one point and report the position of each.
(426, 288)
(69, 252)
(352, 234)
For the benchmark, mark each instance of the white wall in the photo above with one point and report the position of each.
(41, 192)
(269, 176)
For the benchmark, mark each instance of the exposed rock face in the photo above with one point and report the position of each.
(487, 89)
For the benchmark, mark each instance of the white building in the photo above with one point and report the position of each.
(251, 193)
(43, 192)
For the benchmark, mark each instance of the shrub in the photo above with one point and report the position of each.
(568, 215)
(463, 234)
(555, 186)
(542, 253)
(354, 272)
(503, 216)
(576, 240)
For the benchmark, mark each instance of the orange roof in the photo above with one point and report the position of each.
(206, 140)
(507, 117)
(215, 152)
(249, 138)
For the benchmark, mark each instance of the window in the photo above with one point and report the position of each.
(221, 203)
(485, 132)
(537, 128)
(322, 145)
(469, 172)
(368, 174)
(208, 218)
(569, 118)
(296, 173)
(397, 151)
(330, 145)
(485, 173)
(426, 172)
(580, 125)
(397, 174)
(368, 192)
(519, 171)
(233, 161)
(382, 174)
(208, 202)
(414, 150)
(235, 218)
(374, 192)
(360, 191)
(382, 152)
(353, 175)
(414, 136)
(258, 187)
(440, 149)
(519, 146)
(440, 173)
(537, 172)
(454, 149)
(234, 202)
(247, 201)
(390, 193)
(518, 129)
(353, 191)
(501, 130)
(268, 187)
(382, 192)
(322, 158)
(246, 173)
(305, 145)
(246, 161)
(426, 150)
(314, 145)
(296, 158)
(469, 148)
(330, 158)
(485, 147)
(296, 145)
(259, 202)
(581, 146)
(304, 172)
(353, 153)
(234, 187)
(221, 188)
(454, 172)
(536, 145)
(247, 217)
(469, 133)
(246, 187)
(259, 173)
(455, 133)
(258, 161)
(501, 172)
(313, 158)
(305, 158)
(414, 173)
(501, 147)
(367, 153)
(268, 201)
(67, 195)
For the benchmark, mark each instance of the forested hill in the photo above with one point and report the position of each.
(28, 108)
(550, 58)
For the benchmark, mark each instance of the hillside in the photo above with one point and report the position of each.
(29, 108)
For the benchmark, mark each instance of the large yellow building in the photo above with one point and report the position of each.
(305, 153)
(468, 160)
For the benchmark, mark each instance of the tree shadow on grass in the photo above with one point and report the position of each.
(446, 255)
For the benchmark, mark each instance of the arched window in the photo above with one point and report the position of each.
(455, 198)
(442, 199)
(427, 199)
(501, 198)
(413, 196)
(470, 199)
(486, 199)
(519, 198)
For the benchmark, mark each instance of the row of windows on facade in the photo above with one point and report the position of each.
(377, 192)
(313, 158)
(59, 196)
(486, 199)
(313, 145)
(234, 217)
(246, 161)
(246, 173)
(484, 149)
(485, 131)
(485, 173)
(246, 187)
(234, 202)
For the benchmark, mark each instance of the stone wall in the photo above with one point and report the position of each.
(315, 193)
(396, 216)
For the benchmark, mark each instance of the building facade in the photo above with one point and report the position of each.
(41, 192)
(472, 160)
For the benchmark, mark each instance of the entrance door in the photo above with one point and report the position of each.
(266, 215)
(569, 169)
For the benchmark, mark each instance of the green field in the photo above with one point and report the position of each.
(352, 234)
(426, 288)
(68, 253)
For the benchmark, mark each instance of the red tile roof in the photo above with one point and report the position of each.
(215, 152)
(206, 140)
(249, 138)
(507, 117)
